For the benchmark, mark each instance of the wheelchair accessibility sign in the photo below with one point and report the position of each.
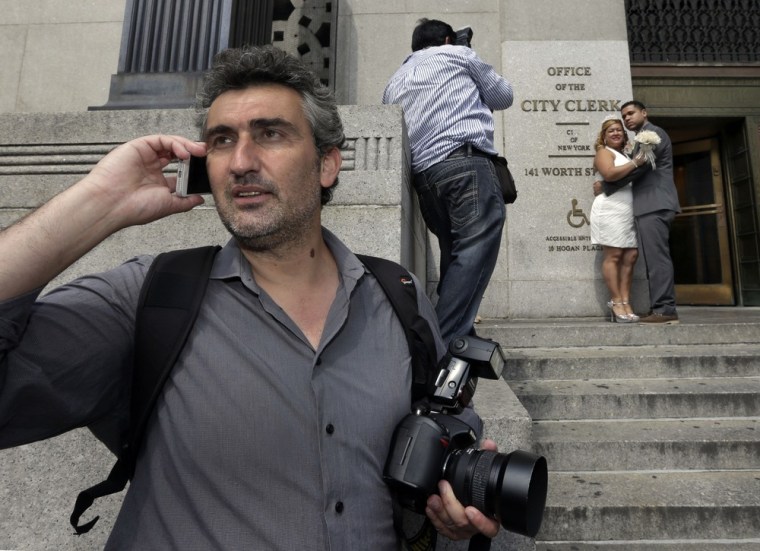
(576, 217)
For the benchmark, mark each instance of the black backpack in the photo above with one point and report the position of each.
(169, 302)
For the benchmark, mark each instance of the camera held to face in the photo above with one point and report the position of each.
(464, 37)
(431, 444)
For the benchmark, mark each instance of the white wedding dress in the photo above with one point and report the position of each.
(612, 216)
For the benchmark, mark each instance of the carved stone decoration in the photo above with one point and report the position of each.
(306, 28)
(693, 31)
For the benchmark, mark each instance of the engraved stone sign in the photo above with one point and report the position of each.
(563, 92)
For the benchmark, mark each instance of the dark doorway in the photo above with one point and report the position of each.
(715, 242)
(699, 237)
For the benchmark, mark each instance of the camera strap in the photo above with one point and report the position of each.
(422, 535)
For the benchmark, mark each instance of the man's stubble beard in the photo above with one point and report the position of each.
(276, 226)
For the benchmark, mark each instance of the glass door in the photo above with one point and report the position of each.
(699, 241)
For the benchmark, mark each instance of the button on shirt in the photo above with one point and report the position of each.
(258, 441)
(447, 94)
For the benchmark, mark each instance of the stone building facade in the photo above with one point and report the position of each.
(693, 63)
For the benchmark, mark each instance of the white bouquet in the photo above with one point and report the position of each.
(647, 139)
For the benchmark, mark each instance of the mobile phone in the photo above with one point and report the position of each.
(192, 177)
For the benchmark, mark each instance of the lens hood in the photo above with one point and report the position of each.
(523, 493)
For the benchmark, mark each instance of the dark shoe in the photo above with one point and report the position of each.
(664, 319)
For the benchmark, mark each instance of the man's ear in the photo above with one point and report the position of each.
(330, 167)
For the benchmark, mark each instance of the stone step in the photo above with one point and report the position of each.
(590, 506)
(649, 444)
(610, 362)
(751, 544)
(699, 325)
(652, 434)
(640, 398)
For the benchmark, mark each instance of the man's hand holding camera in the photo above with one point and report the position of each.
(433, 468)
(455, 521)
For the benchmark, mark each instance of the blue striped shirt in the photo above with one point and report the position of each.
(448, 94)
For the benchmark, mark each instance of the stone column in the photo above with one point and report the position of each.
(166, 45)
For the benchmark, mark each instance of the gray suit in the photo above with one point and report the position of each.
(655, 204)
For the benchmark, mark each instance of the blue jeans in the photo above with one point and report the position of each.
(462, 205)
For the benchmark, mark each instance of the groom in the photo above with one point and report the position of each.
(655, 205)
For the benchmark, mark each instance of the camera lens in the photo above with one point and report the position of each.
(508, 487)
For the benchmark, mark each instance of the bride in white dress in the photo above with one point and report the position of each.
(612, 224)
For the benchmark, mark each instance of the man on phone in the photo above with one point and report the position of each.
(274, 425)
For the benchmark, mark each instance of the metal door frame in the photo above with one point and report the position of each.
(716, 293)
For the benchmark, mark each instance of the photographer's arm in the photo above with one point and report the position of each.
(451, 519)
(126, 188)
(495, 90)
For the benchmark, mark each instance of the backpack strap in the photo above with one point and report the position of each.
(169, 302)
(401, 292)
(399, 287)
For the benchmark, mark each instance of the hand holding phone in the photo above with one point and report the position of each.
(192, 177)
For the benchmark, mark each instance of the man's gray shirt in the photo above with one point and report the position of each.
(258, 440)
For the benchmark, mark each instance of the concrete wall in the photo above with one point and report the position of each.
(58, 55)
(375, 37)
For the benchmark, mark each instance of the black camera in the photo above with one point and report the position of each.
(463, 37)
(431, 444)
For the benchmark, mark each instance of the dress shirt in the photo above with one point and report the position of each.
(448, 94)
(259, 441)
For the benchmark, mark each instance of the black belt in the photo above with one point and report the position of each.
(467, 150)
